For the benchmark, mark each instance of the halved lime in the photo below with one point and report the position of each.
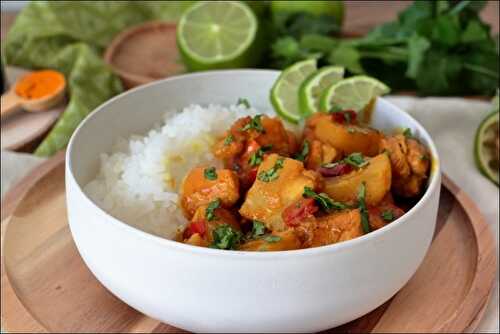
(486, 146)
(284, 94)
(353, 93)
(217, 34)
(312, 88)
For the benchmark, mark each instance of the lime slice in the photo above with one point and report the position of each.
(353, 93)
(218, 34)
(311, 90)
(284, 94)
(486, 147)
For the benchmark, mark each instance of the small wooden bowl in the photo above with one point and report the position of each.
(145, 53)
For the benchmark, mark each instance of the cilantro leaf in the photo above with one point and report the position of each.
(303, 152)
(257, 157)
(417, 46)
(387, 215)
(271, 174)
(255, 124)
(356, 160)
(210, 210)
(324, 200)
(258, 229)
(271, 238)
(210, 173)
(365, 222)
(244, 102)
(228, 140)
(225, 237)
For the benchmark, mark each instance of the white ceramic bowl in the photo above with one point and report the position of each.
(202, 289)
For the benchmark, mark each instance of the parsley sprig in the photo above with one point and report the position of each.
(387, 215)
(271, 174)
(324, 200)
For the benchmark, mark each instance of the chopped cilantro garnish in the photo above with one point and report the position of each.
(271, 174)
(228, 140)
(258, 229)
(255, 124)
(257, 157)
(355, 159)
(324, 200)
(210, 211)
(407, 133)
(210, 173)
(387, 215)
(365, 222)
(304, 151)
(244, 102)
(424, 158)
(225, 237)
(271, 238)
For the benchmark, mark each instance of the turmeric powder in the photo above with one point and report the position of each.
(39, 84)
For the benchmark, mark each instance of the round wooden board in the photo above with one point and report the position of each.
(22, 128)
(46, 287)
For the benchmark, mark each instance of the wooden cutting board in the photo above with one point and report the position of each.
(46, 287)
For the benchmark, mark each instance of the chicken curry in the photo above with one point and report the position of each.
(276, 192)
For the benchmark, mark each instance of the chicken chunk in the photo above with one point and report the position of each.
(410, 164)
(337, 227)
(280, 182)
(197, 189)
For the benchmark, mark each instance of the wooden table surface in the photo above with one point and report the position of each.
(360, 16)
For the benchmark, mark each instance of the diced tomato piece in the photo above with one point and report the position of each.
(337, 169)
(252, 175)
(199, 227)
(345, 116)
(298, 211)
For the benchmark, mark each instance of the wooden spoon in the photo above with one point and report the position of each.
(11, 102)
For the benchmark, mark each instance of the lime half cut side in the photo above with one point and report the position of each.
(217, 34)
(285, 91)
(312, 88)
(486, 147)
(353, 93)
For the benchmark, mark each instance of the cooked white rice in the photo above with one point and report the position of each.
(138, 181)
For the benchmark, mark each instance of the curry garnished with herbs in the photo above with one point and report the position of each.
(341, 180)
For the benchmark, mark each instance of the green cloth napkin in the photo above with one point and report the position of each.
(70, 36)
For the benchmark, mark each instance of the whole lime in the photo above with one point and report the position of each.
(333, 8)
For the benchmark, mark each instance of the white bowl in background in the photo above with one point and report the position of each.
(208, 290)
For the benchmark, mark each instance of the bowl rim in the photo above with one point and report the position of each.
(434, 183)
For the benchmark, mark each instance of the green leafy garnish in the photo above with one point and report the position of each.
(210, 211)
(387, 215)
(255, 124)
(271, 238)
(258, 229)
(226, 237)
(257, 157)
(244, 102)
(228, 140)
(303, 152)
(365, 222)
(407, 133)
(324, 200)
(356, 160)
(210, 173)
(271, 174)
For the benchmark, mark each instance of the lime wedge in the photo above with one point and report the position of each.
(353, 93)
(311, 90)
(486, 147)
(217, 34)
(284, 94)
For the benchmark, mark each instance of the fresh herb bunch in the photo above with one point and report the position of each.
(435, 47)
